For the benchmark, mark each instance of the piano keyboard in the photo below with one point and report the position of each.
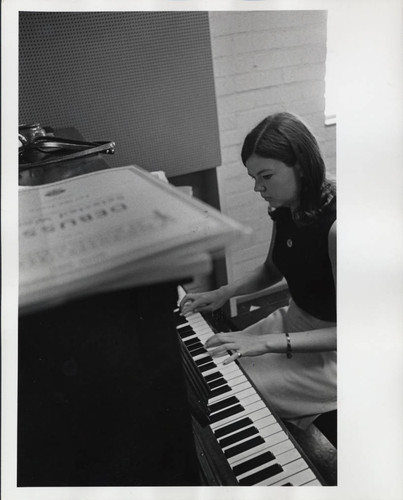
(258, 450)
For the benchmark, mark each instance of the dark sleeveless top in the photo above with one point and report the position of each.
(301, 255)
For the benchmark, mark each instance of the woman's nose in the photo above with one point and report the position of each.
(259, 188)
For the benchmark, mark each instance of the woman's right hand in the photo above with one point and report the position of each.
(204, 301)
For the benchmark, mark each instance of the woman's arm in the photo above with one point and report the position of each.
(254, 340)
(249, 344)
(262, 277)
(332, 248)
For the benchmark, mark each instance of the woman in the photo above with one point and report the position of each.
(291, 354)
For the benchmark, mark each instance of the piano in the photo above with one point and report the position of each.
(253, 447)
(117, 390)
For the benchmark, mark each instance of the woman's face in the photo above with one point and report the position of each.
(275, 181)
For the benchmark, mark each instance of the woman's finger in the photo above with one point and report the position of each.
(231, 358)
(218, 339)
(189, 305)
(187, 299)
(222, 350)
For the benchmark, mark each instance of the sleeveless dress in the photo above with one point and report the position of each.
(300, 388)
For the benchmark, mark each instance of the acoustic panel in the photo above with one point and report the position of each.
(142, 79)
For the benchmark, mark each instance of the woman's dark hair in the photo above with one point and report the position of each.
(284, 137)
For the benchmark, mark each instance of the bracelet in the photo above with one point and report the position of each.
(288, 351)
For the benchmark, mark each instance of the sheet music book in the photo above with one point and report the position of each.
(112, 229)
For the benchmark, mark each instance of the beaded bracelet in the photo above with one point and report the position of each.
(288, 351)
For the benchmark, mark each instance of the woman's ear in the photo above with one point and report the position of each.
(299, 169)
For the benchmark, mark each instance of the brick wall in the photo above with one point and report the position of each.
(264, 61)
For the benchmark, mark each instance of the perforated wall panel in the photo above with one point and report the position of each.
(142, 79)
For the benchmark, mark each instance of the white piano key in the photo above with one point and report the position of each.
(314, 482)
(244, 401)
(266, 432)
(276, 450)
(258, 424)
(282, 460)
(271, 440)
(253, 415)
(240, 396)
(298, 479)
(239, 387)
(224, 370)
(247, 412)
(288, 470)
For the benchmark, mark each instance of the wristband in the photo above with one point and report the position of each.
(288, 351)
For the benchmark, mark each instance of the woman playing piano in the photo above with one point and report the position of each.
(291, 354)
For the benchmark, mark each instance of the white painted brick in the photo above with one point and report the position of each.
(258, 80)
(301, 107)
(224, 66)
(329, 148)
(296, 91)
(245, 42)
(330, 133)
(223, 46)
(227, 122)
(224, 23)
(304, 72)
(263, 97)
(279, 38)
(230, 154)
(231, 138)
(305, 35)
(261, 20)
(234, 185)
(244, 200)
(232, 171)
(281, 58)
(225, 86)
(237, 102)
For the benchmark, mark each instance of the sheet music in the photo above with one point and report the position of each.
(85, 231)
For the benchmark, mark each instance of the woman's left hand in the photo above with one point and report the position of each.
(243, 344)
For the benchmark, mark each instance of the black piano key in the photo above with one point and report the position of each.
(225, 413)
(232, 427)
(186, 334)
(206, 367)
(287, 484)
(192, 342)
(179, 320)
(224, 403)
(196, 352)
(203, 361)
(263, 474)
(238, 436)
(240, 448)
(213, 376)
(220, 390)
(217, 382)
(184, 328)
(264, 458)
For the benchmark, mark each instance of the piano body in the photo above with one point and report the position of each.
(240, 440)
(117, 390)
